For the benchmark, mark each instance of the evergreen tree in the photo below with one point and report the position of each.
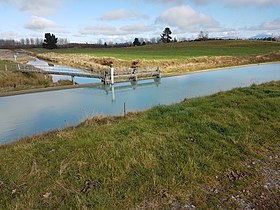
(50, 41)
(136, 42)
(165, 36)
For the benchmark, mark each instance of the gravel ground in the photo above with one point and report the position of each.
(21, 55)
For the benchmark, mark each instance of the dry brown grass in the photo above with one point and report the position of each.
(82, 61)
(167, 65)
(11, 80)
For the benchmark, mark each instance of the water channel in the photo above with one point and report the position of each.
(26, 115)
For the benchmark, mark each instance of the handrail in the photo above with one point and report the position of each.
(104, 75)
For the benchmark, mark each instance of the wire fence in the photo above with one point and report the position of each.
(9, 67)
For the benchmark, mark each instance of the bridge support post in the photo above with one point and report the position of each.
(113, 93)
(112, 74)
(73, 82)
(159, 74)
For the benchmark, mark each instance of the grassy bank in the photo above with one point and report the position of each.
(12, 80)
(220, 151)
(172, 58)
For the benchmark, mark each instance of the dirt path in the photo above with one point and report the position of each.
(21, 55)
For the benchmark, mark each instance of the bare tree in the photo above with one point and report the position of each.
(22, 42)
(37, 42)
(202, 36)
(32, 41)
(27, 41)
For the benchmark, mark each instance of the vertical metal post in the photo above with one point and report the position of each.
(6, 67)
(159, 73)
(73, 80)
(124, 109)
(113, 93)
(112, 74)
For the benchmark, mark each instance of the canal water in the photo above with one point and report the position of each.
(26, 115)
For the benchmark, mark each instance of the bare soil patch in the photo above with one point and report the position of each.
(21, 55)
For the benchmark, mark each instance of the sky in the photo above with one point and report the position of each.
(96, 21)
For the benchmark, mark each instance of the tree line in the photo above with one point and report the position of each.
(29, 42)
(166, 37)
(52, 42)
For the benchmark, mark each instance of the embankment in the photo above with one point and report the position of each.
(220, 151)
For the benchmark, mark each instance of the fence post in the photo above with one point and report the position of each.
(6, 67)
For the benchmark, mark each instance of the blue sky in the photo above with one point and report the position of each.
(94, 21)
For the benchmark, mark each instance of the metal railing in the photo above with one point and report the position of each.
(105, 75)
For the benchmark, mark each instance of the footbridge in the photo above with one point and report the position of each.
(109, 76)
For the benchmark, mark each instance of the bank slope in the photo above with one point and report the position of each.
(220, 151)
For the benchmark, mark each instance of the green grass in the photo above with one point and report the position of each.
(164, 158)
(7, 65)
(4, 62)
(181, 50)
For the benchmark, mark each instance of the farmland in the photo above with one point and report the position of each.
(181, 50)
(172, 58)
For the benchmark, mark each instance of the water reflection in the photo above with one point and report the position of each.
(30, 114)
(133, 85)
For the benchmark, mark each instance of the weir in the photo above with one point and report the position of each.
(106, 76)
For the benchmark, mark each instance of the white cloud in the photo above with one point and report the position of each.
(137, 28)
(268, 26)
(170, 1)
(36, 7)
(123, 14)
(241, 2)
(99, 30)
(225, 2)
(186, 19)
(8, 34)
(113, 31)
(41, 24)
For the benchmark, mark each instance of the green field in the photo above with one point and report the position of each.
(212, 152)
(182, 50)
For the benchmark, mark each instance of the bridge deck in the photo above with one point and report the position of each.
(105, 76)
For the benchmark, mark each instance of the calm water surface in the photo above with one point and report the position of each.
(30, 114)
